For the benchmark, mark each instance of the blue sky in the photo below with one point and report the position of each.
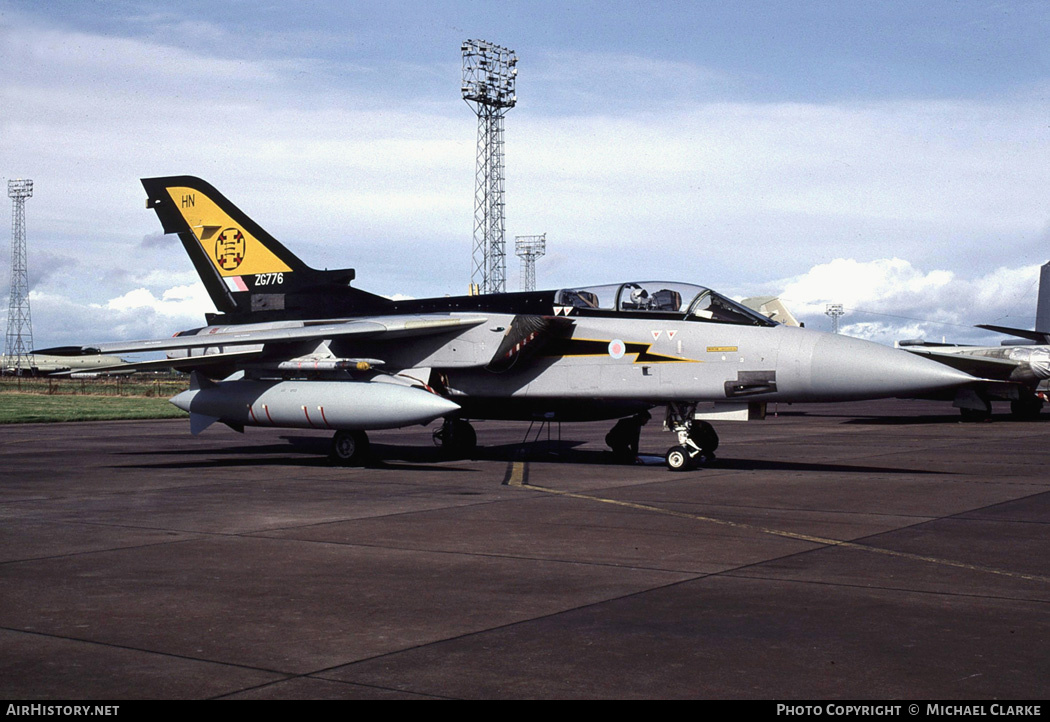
(889, 156)
(772, 51)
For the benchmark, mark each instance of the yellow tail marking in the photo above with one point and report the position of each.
(232, 250)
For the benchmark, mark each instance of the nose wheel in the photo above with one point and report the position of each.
(678, 458)
(697, 440)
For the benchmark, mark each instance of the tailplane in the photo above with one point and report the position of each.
(244, 268)
(1041, 334)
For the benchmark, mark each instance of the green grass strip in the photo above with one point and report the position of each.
(16, 408)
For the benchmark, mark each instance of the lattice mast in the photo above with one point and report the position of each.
(488, 88)
(528, 249)
(836, 311)
(19, 346)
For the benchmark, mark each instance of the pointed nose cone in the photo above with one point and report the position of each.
(431, 406)
(184, 399)
(849, 368)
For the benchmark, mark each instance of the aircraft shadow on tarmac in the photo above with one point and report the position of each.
(950, 419)
(898, 420)
(313, 451)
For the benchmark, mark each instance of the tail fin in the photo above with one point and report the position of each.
(1041, 334)
(244, 268)
(1042, 311)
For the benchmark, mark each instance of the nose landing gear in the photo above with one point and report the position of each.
(697, 439)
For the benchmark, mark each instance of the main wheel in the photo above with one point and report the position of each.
(1026, 408)
(349, 448)
(975, 415)
(456, 438)
(678, 458)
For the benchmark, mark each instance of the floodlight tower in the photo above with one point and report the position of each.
(19, 346)
(836, 311)
(488, 87)
(529, 248)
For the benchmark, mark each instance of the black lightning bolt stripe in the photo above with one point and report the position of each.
(591, 347)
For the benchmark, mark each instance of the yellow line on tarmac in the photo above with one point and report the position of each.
(517, 473)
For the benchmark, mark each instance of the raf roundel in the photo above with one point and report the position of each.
(617, 348)
(229, 249)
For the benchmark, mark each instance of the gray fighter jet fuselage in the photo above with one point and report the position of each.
(298, 347)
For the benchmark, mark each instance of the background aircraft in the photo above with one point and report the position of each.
(299, 347)
(772, 308)
(47, 364)
(1025, 364)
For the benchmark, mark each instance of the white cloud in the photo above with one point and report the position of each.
(138, 314)
(884, 176)
(888, 300)
(190, 300)
(852, 283)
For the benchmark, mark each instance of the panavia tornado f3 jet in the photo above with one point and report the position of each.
(293, 346)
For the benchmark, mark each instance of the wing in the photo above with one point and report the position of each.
(286, 332)
(306, 346)
(186, 363)
(279, 342)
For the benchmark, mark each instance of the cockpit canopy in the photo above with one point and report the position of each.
(685, 300)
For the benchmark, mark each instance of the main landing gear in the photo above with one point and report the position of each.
(456, 438)
(697, 439)
(1027, 406)
(349, 448)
